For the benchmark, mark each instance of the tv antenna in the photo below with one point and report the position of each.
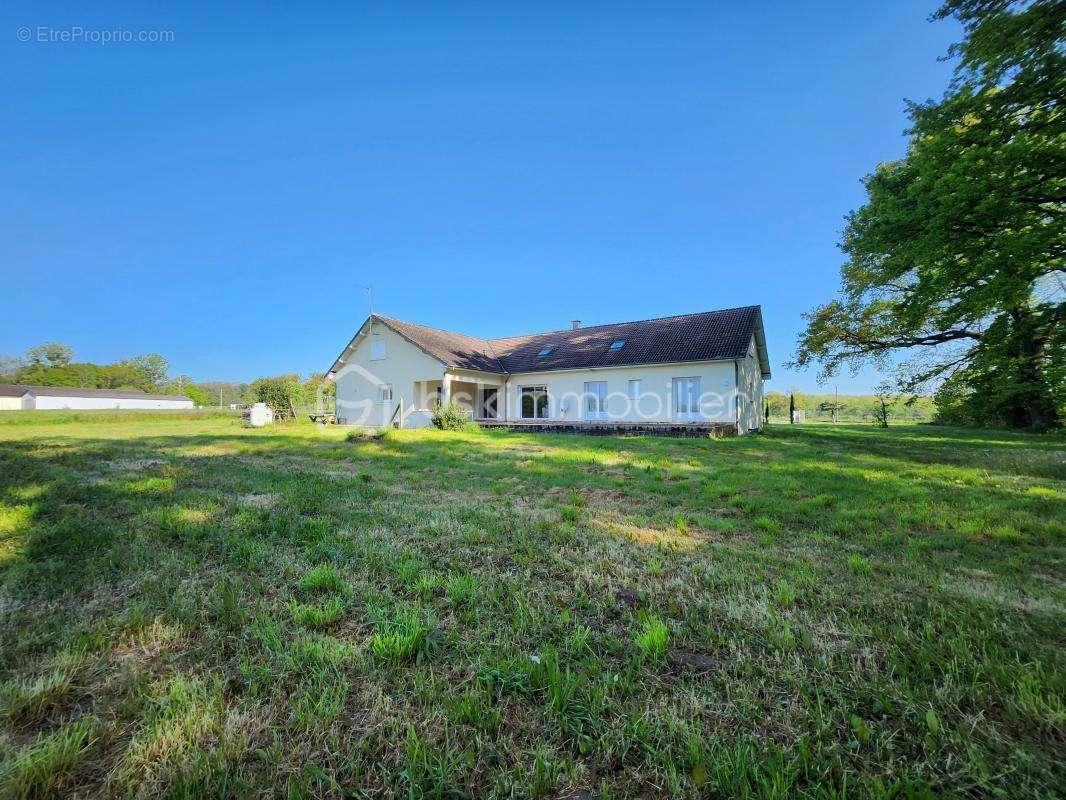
(370, 303)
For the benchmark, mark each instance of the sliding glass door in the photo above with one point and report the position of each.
(596, 400)
(533, 402)
(687, 398)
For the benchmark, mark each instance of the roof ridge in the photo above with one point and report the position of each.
(624, 322)
(486, 342)
(566, 330)
(431, 328)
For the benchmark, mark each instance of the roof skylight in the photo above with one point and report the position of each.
(544, 352)
(618, 345)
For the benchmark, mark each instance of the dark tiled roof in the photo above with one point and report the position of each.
(707, 336)
(16, 390)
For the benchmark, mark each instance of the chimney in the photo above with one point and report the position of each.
(575, 324)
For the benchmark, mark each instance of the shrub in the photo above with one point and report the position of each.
(451, 418)
(282, 393)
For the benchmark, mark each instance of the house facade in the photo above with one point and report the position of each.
(705, 368)
(15, 397)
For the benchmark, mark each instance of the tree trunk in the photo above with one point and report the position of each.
(1034, 407)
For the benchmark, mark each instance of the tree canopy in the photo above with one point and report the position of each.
(52, 354)
(957, 256)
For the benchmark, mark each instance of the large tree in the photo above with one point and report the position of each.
(957, 256)
(150, 371)
(51, 354)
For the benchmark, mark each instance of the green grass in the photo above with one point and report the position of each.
(652, 637)
(195, 609)
(46, 764)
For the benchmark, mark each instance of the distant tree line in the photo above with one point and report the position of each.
(53, 364)
(864, 407)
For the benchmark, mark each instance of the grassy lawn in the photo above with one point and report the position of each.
(191, 609)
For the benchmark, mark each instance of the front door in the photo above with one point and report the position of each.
(687, 398)
(596, 400)
(487, 402)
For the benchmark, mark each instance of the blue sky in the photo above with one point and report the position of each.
(490, 168)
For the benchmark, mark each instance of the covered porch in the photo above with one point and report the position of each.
(481, 395)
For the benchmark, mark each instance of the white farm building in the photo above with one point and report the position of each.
(20, 398)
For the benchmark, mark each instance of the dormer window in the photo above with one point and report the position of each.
(618, 345)
(544, 352)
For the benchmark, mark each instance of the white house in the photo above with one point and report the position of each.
(15, 397)
(694, 369)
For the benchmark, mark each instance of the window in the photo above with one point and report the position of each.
(385, 393)
(636, 388)
(618, 345)
(544, 352)
(534, 402)
(377, 349)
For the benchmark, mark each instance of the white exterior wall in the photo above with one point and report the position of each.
(358, 380)
(10, 403)
(84, 403)
(717, 390)
(750, 395)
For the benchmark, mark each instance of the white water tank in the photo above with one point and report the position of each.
(260, 415)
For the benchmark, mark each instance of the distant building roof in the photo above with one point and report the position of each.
(706, 336)
(17, 390)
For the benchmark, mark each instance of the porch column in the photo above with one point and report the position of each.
(446, 389)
